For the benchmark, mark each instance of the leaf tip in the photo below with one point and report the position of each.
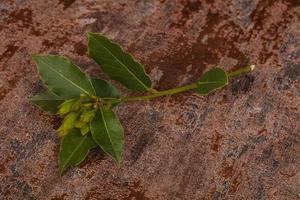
(119, 164)
(92, 34)
(61, 166)
(117, 157)
(95, 36)
(61, 170)
(35, 57)
(30, 98)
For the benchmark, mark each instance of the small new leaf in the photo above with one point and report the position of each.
(87, 116)
(67, 124)
(74, 148)
(65, 107)
(85, 129)
(108, 133)
(117, 64)
(62, 77)
(47, 100)
(212, 80)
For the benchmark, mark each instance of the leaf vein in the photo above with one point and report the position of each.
(65, 78)
(72, 154)
(122, 65)
(105, 126)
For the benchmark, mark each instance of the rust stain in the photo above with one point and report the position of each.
(227, 169)
(189, 7)
(11, 84)
(22, 15)
(47, 43)
(180, 120)
(23, 19)
(4, 165)
(9, 52)
(3, 93)
(2, 168)
(262, 131)
(215, 142)
(288, 174)
(66, 3)
(193, 59)
(60, 41)
(136, 192)
(235, 183)
(57, 42)
(271, 37)
(80, 48)
(198, 56)
(224, 99)
(34, 180)
(62, 197)
(293, 3)
(92, 194)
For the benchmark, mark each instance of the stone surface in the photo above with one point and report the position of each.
(240, 143)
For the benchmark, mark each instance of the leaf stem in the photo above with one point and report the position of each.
(240, 72)
(161, 93)
(231, 75)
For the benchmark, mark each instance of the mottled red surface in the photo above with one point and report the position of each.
(240, 143)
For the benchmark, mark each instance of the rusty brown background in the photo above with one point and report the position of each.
(239, 143)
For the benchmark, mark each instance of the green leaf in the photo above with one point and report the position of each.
(47, 100)
(74, 148)
(62, 77)
(104, 89)
(212, 80)
(108, 133)
(117, 64)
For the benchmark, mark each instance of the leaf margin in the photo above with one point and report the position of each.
(116, 158)
(147, 88)
(35, 58)
(202, 84)
(46, 92)
(64, 167)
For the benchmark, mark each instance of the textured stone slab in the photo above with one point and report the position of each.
(240, 143)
